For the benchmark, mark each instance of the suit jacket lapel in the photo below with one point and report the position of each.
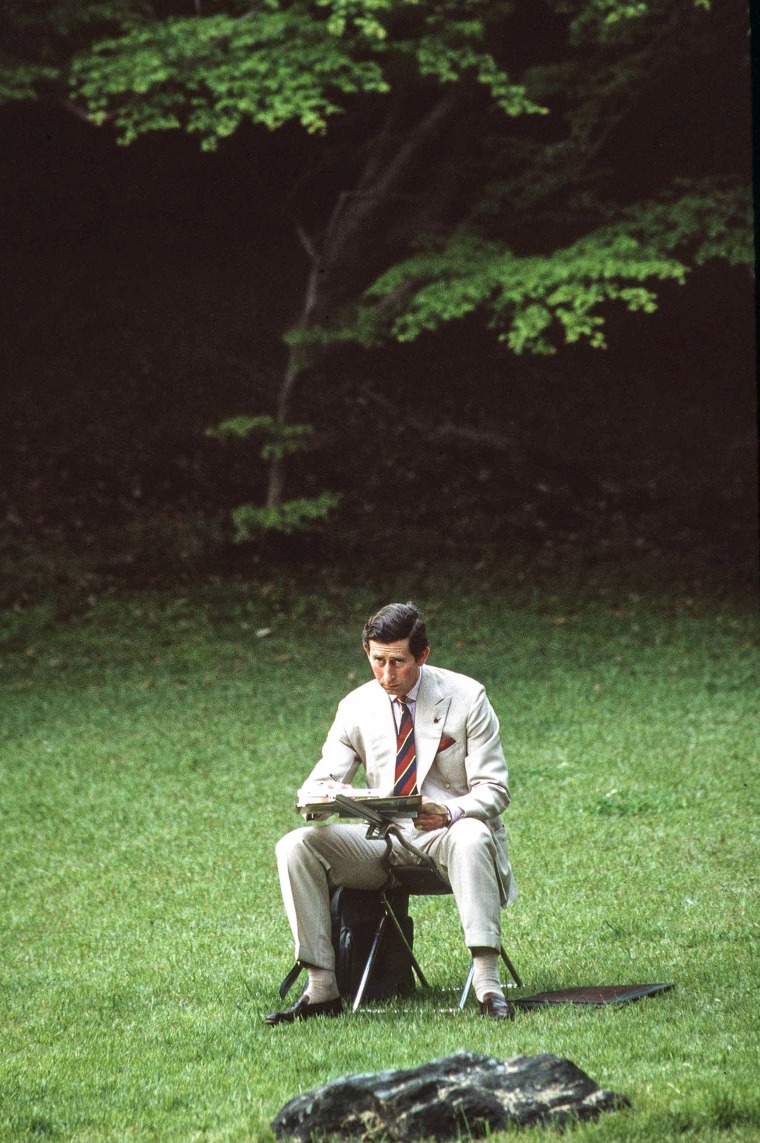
(432, 706)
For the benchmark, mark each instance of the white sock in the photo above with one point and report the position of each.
(321, 985)
(486, 976)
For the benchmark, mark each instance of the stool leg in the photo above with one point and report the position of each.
(290, 980)
(415, 963)
(467, 985)
(370, 962)
(511, 967)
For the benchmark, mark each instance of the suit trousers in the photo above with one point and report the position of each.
(317, 859)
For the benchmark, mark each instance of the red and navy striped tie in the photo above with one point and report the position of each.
(406, 755)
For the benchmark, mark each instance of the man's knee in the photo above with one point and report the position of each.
(470, 835)
(290, 846)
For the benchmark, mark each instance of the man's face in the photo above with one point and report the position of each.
(394, 666)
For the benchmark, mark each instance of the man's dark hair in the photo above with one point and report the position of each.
(397, 621)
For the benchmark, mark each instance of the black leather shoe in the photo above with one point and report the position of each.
(303, 1009)
(496, 1007)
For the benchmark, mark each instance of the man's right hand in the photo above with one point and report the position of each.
(323, 790)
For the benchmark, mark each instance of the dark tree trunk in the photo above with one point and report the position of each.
(337, 261)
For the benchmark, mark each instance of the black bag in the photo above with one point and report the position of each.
(355, 915)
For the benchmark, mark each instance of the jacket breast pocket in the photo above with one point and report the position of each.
(445, 744)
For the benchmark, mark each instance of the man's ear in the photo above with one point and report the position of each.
(423, 657)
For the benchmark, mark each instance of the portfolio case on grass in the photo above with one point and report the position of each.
(595, 996)
(355, 915)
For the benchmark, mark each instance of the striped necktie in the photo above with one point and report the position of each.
(406, 755)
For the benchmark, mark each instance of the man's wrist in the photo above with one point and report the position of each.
(454, 813)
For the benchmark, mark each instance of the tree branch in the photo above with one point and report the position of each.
(446, 430)
(307, 243)
(355, 208)
(80, 112)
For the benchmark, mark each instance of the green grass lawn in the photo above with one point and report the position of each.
(151, 749)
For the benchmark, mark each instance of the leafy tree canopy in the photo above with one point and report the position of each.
(526, 298)
(207, 67)
(458, 156)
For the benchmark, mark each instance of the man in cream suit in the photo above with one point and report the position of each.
(452, 756)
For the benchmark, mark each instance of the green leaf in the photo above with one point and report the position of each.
(291, 516)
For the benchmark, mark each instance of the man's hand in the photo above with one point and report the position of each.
(322, 790)
(432, 815)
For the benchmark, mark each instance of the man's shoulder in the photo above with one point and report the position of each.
(452, 681)
(362, 694)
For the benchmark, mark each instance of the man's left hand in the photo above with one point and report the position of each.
(432, 815)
